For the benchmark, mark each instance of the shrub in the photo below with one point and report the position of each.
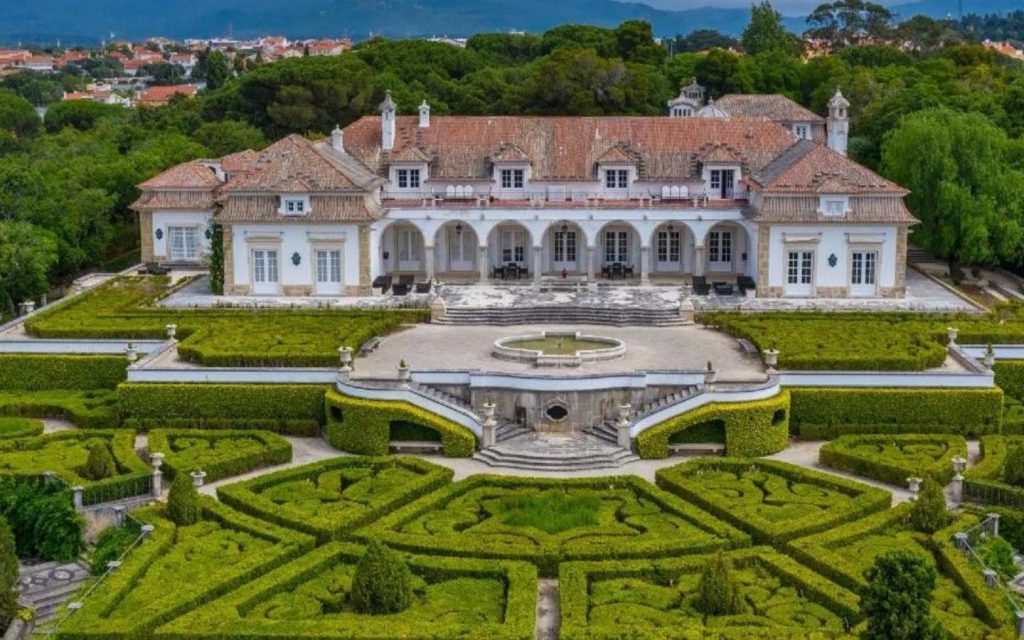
(220, 454)
(183, 501)
(94, 409)
(984, 482)
(291, 409)
(898, 598)
(100, 464)
(929, 513)
(364, 426)
(8, 575)
(11, 428)
(37, 372)
(717, 594)
(110, 544)
(42, 518)
(998, 554)
(894, 458)
(1013, 468)
(751, 428)
(827, 413)
(382, 583)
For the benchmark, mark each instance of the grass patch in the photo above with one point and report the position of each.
(551, 511)
(11, 428)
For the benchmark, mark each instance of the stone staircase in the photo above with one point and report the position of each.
(558, 314)
(48, 586)
(664, 401)
(508, 431)
(441, 396)
(538, 451)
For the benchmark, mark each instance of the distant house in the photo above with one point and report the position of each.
(159, 96)
(133, 67)
(42, 64)
(187, 61)
(98, 93)
(1005, 48)
(328, 47)
(69, 57)
(10, 58)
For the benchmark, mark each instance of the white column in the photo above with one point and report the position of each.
(483, 263)
(537, 260)
(645, 265)
(698, 260)
(591, 262)
(428, 261)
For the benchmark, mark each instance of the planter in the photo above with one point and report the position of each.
(198, 478)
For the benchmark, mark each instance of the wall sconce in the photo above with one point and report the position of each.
(159, 234)
(458, 228)
(296, 258)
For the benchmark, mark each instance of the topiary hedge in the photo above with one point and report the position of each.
(771, 500)
(11, 428)
(220, 454)
(826, 413)
(290, 409)
(38, 372)
(331, 498)
(758, 428)
(894, 458)
(93, 409)
(364, 426)
(984, 481)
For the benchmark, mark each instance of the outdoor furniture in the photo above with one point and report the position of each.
(154, 269)
(424, 287)
(414, 446)
(499, 273)
(628, 272)
(407, 279)
(369, 346)
(722, 288)
(522, 273)
(701, 286)
(747, 347)
(746, 283)
(382, 282)
(606, 271)
(617, 270)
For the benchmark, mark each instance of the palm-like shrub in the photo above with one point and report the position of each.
(382, 582)
(100, 463)
(718, 594)
(183, 502)
(929, 513)
(1013, 468)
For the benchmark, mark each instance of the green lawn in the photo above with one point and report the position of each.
(217, 337)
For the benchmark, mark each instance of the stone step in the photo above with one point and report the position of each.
(562, 315)
(605, 431)
(564, 466)
(508, 431)
(550, 452)
(494, 453)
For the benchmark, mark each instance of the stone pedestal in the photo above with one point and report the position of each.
(158, 483)
(623, 427)
(345, 354)
(961, 541)
(771, 360)
(490, 426)
(994, 518)
(78, 498)
(119, 511)
(438, 309)
(956, 491)
(686, 311)
(991, 578)
(914, 485)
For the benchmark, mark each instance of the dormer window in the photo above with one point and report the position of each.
(408, 178)
(294, 205)
(616, 178)
(834, 205)
(513, 178)
(802, 131)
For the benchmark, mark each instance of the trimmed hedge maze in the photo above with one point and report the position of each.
(92, 409)
(894, 458)
(11, 428)
(771, 501)
(985, 482)
(220, 454)
(549, 521)
(656, 600)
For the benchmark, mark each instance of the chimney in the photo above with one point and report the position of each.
(424, 115)
(838, 123)
(387, 122)
(338, 139)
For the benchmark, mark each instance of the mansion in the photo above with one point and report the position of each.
(749, 189)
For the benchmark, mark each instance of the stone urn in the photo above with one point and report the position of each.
(198, 477)
(710, 376)
(951, 333)
(771, 359)
(404, 371)
(990, 358)
(345, 353)
(157, 459)
(914, 484)
(131, 353)
(172, 330)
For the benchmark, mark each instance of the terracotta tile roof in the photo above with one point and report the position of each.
(775, 107)
(296, 165)
(510, 152)
(567, 148)
(616, 155)
(160, 95)
(410, 154)
(812, 167)
(188, 175)
(239, 161)
(187, 200)
(323, 209)
(803, 209)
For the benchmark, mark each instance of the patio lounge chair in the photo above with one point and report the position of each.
(382, 282)
(746, 283)
(701, 286)
(154, 269)
(424, 287)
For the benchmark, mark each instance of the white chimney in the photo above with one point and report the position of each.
(387, 122)
(424, 115)
(838, 124)
(338, 139)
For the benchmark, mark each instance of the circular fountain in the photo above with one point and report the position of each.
(558, 349)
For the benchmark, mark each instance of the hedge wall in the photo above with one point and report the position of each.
(11, 428)
(93, 409)
(752, 429)
(290, 409)
(1010, 377)
(36, 372)
(826, 413)
(364, 426)
(984, 481)
(221, 454)
(873, 456)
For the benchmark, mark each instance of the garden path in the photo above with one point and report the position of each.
(549, 616)
(304, 451)
(52, 425)
(805, 454)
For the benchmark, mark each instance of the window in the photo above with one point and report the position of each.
(565, 246)
(720, 247)
(513, 178)
(408, 178)
(616, 178)
(722, 182)
(864, 267)
(184, 243)
(802, 131)
(798, 270)
(833, 206)
(294, 206)
(616, 247)
(668, 246)
(328, 266)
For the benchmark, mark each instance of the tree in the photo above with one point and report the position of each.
(898, 597)
(765, 31)
(8, 575)
(717, 70)
(717, 593)
(929, 513)
(1013, 468)
(27, 256)
(80, 114)
(183, 501)
(963, 188)
(212, 66)
(229, 136)
(634, 42)
(17, 116)
(850, 22)
(100, 464)
(382, 583)
(702, 40)
(165, 73)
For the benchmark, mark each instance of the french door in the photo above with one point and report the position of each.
(864, 274)
(513, 247)
(723, 183)
(264, 272)
(328, 272)
(184, 243)
(616, 247)
(408, 249)
(564, 255)
(800, 273)
(668, 251)
(460, 251)
(720, 251)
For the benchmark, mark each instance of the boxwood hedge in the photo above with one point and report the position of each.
(894, 458)
(456, 598)
(584, 601)
(39, 372)
(984, 481)
(331, 498)
(176, 570)
(752, 429)
(93, 409)
(220, 454)
(291, 409)
(364, 426)
(771, 500)
(826, 413)
(11, 428)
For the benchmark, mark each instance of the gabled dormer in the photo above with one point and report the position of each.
(617, 169)
(408, 169)
(721, 172)
(294, 204)
(512, 168)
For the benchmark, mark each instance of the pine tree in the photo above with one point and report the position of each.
(897, 600)
(8, 575)
(100, 464)
(718, 594)
(183, 501)
(382, 582)
(929, 513)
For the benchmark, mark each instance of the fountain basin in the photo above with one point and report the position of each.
(558, 349)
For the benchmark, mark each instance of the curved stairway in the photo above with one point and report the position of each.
(538, 451)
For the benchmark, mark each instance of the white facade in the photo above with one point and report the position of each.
(181, 236)
(833, 252)
(264, 259)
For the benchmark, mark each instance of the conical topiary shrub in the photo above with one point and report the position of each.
(382, 583)
(718, 594)
(183, 501)
(100, 463)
